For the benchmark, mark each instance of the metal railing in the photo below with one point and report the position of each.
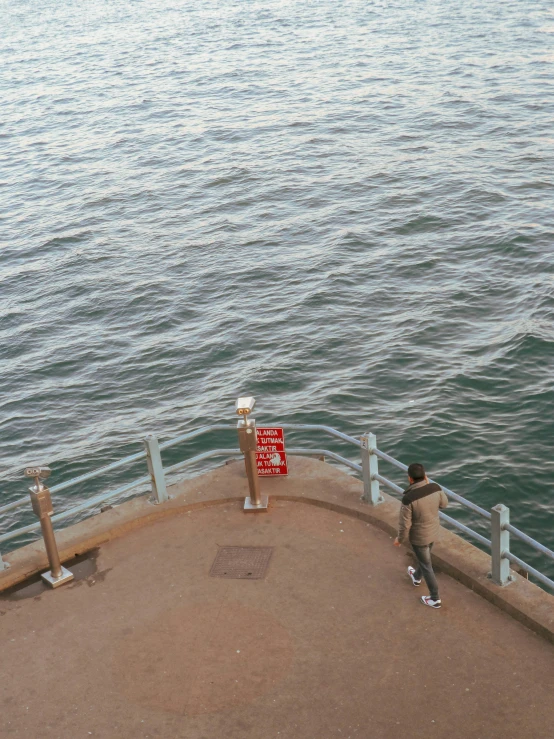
(498, 517)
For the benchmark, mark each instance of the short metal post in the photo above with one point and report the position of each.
(3, 564)
(247, 444)
(51, 547)
(155, 468)
(372, 494)
(42, 506)
(500, 544)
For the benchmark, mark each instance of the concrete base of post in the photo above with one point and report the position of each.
(55, 582)
(263, 505)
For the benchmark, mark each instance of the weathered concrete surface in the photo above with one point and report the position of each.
(310, 480)
(332, 643)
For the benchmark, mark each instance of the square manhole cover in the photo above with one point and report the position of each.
(241, 563)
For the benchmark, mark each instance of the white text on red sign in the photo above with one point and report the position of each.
(270, 440)
(271, 463)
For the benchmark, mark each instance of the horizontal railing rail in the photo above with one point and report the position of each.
(90, 503)
(504, 553)
(531, 570)
(451, 494)
(317, 427)
(528, 540)
(194, 434)
(117, 464)
(106, 497)
(500, 526)
(443, 516)
(200, 458)
(327, 453)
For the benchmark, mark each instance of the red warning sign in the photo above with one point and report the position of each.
(271, 458)
(270, 440)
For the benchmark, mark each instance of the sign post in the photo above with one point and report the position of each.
(246, 428)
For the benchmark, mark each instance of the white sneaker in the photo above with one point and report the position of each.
(411, 572)
(428, 601)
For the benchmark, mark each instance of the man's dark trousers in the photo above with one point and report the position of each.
(425, 568)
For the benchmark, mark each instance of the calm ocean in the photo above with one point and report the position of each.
(344, 209)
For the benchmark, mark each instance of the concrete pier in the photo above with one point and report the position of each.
(331, 642)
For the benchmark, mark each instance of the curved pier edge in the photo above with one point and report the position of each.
(310, 482)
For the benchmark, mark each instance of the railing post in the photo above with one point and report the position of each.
(3, 565)
(500, 543)
(371, 494)
(155, 469)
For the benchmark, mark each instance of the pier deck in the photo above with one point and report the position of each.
(332, 642)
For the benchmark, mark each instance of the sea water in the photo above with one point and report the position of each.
(344, 209)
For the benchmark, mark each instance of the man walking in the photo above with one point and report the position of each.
(419, 522)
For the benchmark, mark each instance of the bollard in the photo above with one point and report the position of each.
(247, 444)
(155, 468)
(500, 543)
(371, 494)
(42, 507)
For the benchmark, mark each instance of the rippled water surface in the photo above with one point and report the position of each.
(344, 209)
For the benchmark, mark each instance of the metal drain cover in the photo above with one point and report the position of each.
(241, 563)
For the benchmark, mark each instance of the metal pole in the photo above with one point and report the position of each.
(500, 544)
(155, 468)
(372, 494)
(42, 506)
(247, 443)
(51, 547)
(252, 474)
